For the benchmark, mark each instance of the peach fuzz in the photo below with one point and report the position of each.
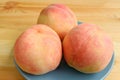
(87, 48)
(59, 17)
(38, 50)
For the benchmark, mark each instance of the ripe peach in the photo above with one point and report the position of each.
(38, 50)
(87, 48)
(59, 17)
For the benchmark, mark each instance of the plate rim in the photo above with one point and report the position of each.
(102, 78)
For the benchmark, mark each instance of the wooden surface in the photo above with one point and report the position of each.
(18, 15)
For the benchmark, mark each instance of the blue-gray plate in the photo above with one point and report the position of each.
(64, 72)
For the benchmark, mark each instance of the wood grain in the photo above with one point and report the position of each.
(16, 16)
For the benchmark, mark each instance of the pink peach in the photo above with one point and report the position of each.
(87, 48)
(38, 50)
(59, 17)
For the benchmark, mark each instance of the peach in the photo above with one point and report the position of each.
(87, 48)
(38, 50)
(59, 17)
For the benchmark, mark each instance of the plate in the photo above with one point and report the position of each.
(64, 72)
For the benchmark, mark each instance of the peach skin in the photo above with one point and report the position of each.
(38, 50)
(87, 48)
(59, 17)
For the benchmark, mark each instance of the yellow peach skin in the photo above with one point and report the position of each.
(87, 48)
(59, 17)
(38, 50)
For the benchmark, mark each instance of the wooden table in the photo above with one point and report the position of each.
(18, 15)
